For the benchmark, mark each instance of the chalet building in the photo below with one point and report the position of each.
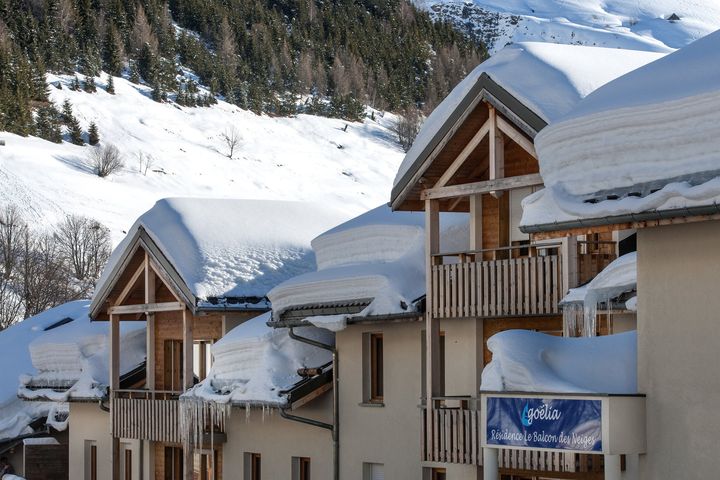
(191, 270)
(476, 155)
(642, 154)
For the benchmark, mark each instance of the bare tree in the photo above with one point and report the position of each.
(142, 33)
(45, 279)
(84, 244)
(105, 160)
(11, 303)
(145, 161)
(407, 127)
(12, 229)
(232, 140)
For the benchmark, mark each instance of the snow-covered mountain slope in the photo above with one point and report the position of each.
(634, 24)
(305, 158)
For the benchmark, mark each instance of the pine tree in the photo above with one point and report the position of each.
(90, 86)
(110, 85)
(134, 74)
(112, 52)
(93, 135)
(48, 124)
(75, 84)
(157, 93)
(67, 113)
(75, 132)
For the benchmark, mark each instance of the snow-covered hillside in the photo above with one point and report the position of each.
(634, 24)
(305, 158)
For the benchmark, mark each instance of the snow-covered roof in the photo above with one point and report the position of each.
(645, 142)
(254, 363)
(527, 361)
(547, 78)
(378, 257)
(228, 247)
(64, 349)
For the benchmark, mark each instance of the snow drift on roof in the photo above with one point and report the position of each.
(528, 361)
(377, 256)
(655, 128)
(253, 363)
(60, 355)
(549, 79)
(232, 248)
(620, 276)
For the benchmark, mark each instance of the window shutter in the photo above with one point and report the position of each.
(377, 471)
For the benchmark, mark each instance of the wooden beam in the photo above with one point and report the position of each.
(150, 327)
(129, 286)
(569, 261)
(187, 350)
(114, 352)
(160, 272)
(497, 151)
(146, 308)
(508, 129)
(476, 222)
(485, 186)
(432, 325)
(464, 154)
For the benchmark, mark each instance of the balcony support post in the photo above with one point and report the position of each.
(114, 386)
(432, 327)
(490, 464)
(150, 330)
(476, 222)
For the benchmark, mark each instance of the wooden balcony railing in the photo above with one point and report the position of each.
(146, 415)
(455, 438)
(527, 285)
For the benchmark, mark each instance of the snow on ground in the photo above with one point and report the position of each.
(304, 158)
(649, 138)
(231, 247)
(549, 79)
(253, 363)
(633, 24)
(377, 256)
(528, 361)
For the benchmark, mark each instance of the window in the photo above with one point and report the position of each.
(202, 358)
(173, 463)
(205, 464)
(127, 463)
(90, 460)
(252, 466)
(173, 365)
(373, 471)
(300, 468)
(376, 366)
(373, 381)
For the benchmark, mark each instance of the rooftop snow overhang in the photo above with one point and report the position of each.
(485, 89)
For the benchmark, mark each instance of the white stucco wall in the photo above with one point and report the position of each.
(679, 348)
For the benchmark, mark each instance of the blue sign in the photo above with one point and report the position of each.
(543, 423)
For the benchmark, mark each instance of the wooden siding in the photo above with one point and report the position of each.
(497, 288)
(46, 462)
(154, 418)
(159, 462)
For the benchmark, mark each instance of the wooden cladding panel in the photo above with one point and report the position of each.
(168, 326)
(146, 419)
(497, 288)
(46, 462)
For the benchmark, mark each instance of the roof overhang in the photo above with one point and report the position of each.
(485, 89)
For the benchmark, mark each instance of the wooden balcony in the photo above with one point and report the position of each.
(146, 415)
(512, 281)
(455, 438)
(470, 286)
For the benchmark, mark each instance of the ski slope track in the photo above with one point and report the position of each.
(632, 24)
(304, 158)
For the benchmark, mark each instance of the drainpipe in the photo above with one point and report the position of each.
(335, 427)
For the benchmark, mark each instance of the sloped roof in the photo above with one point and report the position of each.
(226, 248)
(644, 145)
(537, 82)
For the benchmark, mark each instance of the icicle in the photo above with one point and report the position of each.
(572, 319)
